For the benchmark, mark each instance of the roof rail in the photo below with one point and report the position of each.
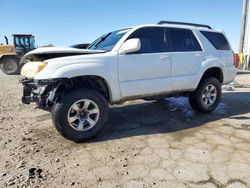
(184, 23)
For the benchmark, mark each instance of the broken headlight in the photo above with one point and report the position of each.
(31, 69)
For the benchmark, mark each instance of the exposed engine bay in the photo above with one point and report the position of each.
(45, 53)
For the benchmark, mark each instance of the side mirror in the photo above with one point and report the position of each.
(131, 45)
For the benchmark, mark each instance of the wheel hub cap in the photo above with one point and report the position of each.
(209, 95)
(83, 115)
(10, 66)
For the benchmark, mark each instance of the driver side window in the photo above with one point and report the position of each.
(152, 40)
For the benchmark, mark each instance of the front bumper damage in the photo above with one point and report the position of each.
(41, 92)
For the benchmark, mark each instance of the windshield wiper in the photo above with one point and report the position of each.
(102, 40)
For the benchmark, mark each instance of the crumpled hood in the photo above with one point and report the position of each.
(73, 64)
(48, 50)
(45, 53)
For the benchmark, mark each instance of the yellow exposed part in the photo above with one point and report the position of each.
(30, 69)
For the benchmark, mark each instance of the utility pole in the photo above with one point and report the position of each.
(243, 26)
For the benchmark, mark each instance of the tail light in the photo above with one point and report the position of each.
(235, 60)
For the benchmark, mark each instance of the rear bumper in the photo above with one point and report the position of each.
(229, 74)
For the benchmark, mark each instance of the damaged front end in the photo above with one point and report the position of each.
(42, 92)
(45, 91)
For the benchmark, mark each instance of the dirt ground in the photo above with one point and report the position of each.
(144, 144)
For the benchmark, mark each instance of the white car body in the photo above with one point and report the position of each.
(138, 76)
(148, 62)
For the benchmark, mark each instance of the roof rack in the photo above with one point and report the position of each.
(184, 23)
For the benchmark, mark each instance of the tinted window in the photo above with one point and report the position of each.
(152, 39)
(183, 40)
(218, 40)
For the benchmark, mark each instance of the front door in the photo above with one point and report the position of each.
(146, 72)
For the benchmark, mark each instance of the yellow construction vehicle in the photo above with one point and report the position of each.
(10, 55)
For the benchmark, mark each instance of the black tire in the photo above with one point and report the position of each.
(10, 65)
(60, 114)
(195, 98)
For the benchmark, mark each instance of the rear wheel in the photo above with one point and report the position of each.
(10, 65)
(80, 114)
(207, 96)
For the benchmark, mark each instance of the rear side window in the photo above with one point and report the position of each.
(152, 39)
(218, 40)
(183, 40)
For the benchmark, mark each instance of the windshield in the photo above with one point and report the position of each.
(108, 41)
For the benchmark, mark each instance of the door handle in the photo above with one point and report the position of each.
(165, 57)
(198, 55)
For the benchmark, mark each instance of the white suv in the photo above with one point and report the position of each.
(142, 62)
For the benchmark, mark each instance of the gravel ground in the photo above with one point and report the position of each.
(144, 144)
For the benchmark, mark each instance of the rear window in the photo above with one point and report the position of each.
(218, 40)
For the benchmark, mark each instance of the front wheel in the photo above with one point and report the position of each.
(10, 65)
(80, 114)
(207, 96)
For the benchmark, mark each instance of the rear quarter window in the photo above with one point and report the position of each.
(218, 40)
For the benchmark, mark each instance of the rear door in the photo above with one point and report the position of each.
(146, 72)
(186, 56)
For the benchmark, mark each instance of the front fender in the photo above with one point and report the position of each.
(75, 70)
(106, 71)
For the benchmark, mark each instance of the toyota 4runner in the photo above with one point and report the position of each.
(142, 62)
